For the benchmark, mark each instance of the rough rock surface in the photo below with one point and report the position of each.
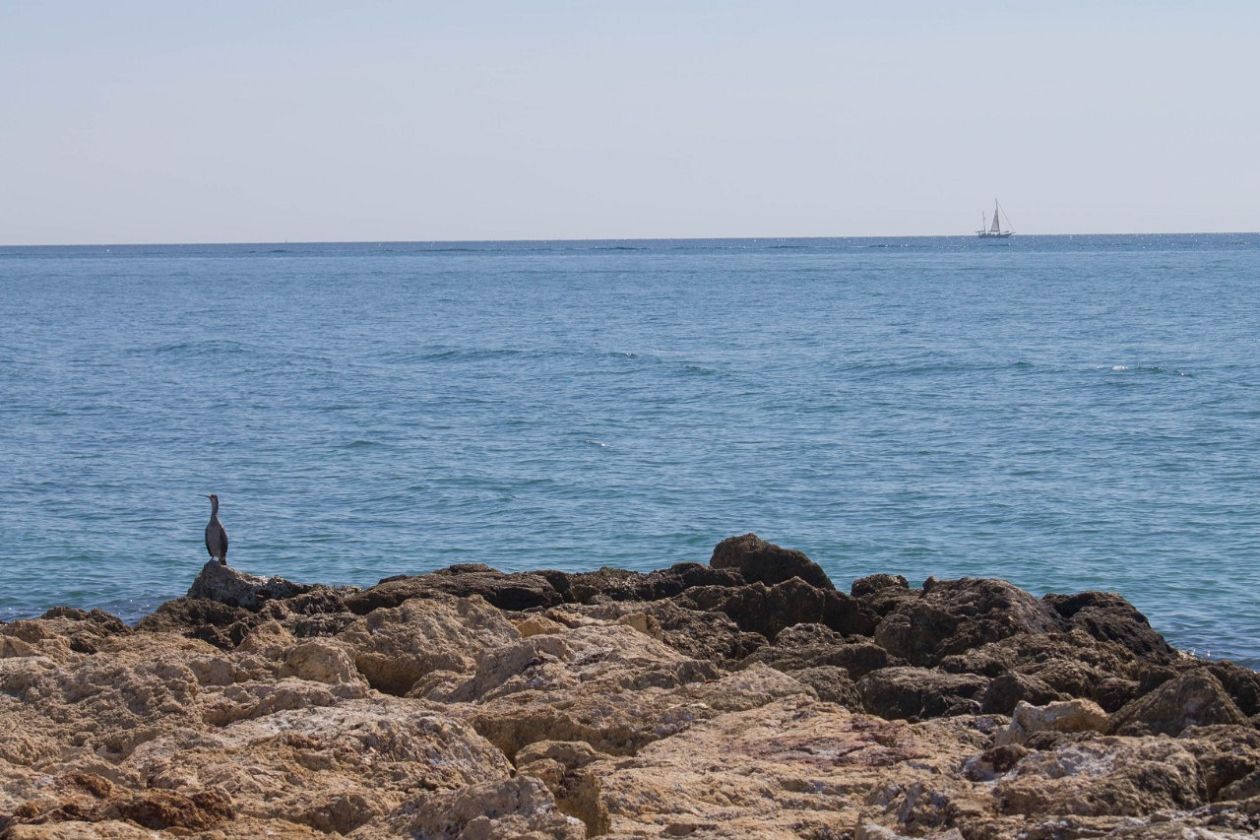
(238, 589)
(744, 698)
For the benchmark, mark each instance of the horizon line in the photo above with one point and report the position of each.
(603, 239)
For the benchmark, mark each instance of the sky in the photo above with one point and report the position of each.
(146, 122)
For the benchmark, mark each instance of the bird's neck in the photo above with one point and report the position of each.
(214, 510)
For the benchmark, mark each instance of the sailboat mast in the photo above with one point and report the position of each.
(997, 228)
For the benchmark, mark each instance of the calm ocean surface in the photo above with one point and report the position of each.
(1066, 412)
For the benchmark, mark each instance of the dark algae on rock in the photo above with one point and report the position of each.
(743, 698)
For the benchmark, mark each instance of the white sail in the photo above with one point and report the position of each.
(993, 230)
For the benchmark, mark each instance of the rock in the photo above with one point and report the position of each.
(559, 765)
(955, 616)
(1108, 617)
(813, 759)
(516, 591)
(687, 702)
(761, 562)
(331, 768)
(1062, 716)
(1196, 698)
(994, 762)
(1072, 663)
(235, 588)
(1103, 777)
(869, 585)
(537, 625)
(211, 621)
(320, 661)
(621, 585)
(518, 808)
(697, 634)
(1242, 685)
(763, 609)
(830, 683)
(1226, 754)
(396, 646)
(608, 685)
(1011, 689)
(815, 645)
(901, 693)
(571, 755)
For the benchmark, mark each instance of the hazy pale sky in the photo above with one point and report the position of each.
(246, 121)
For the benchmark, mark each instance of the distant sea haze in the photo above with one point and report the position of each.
(1068, 413)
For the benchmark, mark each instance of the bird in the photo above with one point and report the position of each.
(216, 534)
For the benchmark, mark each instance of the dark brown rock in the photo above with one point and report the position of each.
(1242, 685)
(816, 645)
(1108, 617)
(1072, 663)
(622, 585)
(231, 586)
(768, 609)
(956, 615)
(85, 630)
(1196, 698)
(219, 624)
(1009, 690)
(918, 693)
(871, 584)
(514, 591)
(760, 561)
(831, 683)
(1227, 755)
(699, 634)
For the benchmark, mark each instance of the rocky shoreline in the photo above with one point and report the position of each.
(745, 698)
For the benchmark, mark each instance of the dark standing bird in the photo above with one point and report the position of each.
(216, 534)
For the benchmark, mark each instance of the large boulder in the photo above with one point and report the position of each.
(759, 561)
(393, 647)
(1108, 617)
(1103, 776)
(1196, 698)
(610, 584)
(763, 609)
(902, 693)
(231, 586)
(1061, 716)
(507, 591)
(882, 593)
(954, 616)
(1013, 689)
(816, 645)
(699, 634)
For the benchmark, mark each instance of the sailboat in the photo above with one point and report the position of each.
(994, 231)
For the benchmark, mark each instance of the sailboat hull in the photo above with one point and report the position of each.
(984, 234)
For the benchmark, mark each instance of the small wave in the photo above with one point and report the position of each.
(1159, 370)
(470, 354)
(363, 443)
(201, 346)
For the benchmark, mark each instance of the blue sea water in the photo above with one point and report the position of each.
(1066, 412)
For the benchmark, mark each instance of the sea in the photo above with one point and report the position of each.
(1068, 413)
